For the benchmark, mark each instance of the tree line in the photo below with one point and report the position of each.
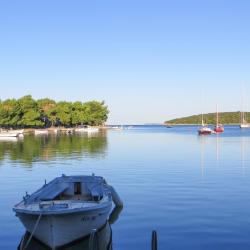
(210, 118)
(27, 112)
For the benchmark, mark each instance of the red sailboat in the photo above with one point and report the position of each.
(218, 127)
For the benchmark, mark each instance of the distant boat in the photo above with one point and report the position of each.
(67, 208)
(120, 127)
(8, 134)
(204, 130)
(87, 129)
(218, 127)
(11, 133)
(168, 125)
(243, 121)
(41, 131)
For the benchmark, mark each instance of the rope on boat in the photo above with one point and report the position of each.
(33, 231)
(154, 241)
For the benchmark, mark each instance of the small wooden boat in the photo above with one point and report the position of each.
(67, 208)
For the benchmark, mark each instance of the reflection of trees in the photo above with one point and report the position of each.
(48, 147)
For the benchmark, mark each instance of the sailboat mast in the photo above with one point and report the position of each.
(242, 106)
(217, 116)
(202, 121)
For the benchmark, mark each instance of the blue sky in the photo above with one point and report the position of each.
(149, 60)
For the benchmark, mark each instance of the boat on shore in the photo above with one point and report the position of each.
(11, 132)
(218, 127)
(67, 208)
(5, 134)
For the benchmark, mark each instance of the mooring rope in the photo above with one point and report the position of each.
(34, 229)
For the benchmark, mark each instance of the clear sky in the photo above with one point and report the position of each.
(149, 60)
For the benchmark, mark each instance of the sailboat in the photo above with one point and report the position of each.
(204, 130)
(243, 122)
(218, 127)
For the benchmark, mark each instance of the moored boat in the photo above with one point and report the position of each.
(204, 130)
(87, 129)
(41, 131)
(8, 134)
(67, 208)
(101, 240)
(243, 121)
(218, 127)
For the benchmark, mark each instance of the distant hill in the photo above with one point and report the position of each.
(210, 118)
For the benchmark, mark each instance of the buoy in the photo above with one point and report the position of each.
(115, 197)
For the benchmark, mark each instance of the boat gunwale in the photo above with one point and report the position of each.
(64, 211)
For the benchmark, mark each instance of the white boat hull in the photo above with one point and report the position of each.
(41, 132)
(244, 125)
(8, 134)
(58, 230)
(87, 130)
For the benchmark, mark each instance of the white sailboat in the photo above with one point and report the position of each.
(204, 130)
(243, 121)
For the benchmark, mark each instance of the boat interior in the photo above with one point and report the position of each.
(74, 191)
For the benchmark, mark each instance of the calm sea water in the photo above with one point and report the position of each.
(195, 191)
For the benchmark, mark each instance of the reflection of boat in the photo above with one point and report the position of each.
(218, 127)
(204, 130)
(101, 240)
(67, 208)
(87, 129)
(41, 131)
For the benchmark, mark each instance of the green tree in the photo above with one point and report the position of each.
(30, 114)
(63, 112)
(47, 108)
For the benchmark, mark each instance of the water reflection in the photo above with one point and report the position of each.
(101, 240)
(47, 147)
